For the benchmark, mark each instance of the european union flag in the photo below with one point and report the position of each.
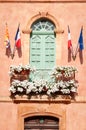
(80, 41)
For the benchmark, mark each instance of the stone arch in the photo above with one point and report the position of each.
(46, 15)
(37, 116)
(26, 113)
(54, 115)
(27, 30)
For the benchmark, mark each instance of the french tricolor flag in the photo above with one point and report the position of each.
(69, 39)
(18, 39)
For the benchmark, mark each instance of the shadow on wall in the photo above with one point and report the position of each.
(74, 57)
(81, 56)
(19, 52)
(12, 54)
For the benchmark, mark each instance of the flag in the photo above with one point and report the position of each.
(70, 47)
(7, 42)
(69, 39)
(80, 41)
(17, 43)
(17, 39)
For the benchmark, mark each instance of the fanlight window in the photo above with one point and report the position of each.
(42, 45)
(43, 25)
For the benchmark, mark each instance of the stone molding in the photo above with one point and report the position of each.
(27, 28)
(45, 1)
(78, 99)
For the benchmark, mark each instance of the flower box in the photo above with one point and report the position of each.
(20, 72)
(22, 75)
(64, 73)
(65, 78)
(23, 72)
(62, 82)
(19, 77)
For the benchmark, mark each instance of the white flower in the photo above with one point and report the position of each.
(12, 89)
(19, 68)
(73, 89)
(49, 92)
(54, 89)
(49, 86)
(28, 90)
(67, 70)
(19, 89)
(40, 89)
(65, 91)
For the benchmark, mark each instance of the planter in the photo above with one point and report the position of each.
(23, 72)
(65, 78)
(19, 77)
(22, 75)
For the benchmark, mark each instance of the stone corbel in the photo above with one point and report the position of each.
(59, 30)
(43, 14)
(27, 31)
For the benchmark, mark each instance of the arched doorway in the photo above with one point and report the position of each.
(41, 123)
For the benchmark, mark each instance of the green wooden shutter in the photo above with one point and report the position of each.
(35, 51)
(42, 45)
(42, 50)
(49, 51)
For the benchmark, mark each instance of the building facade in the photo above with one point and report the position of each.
(44, 44)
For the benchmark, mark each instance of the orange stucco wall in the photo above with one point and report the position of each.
(15, 13)
(8, 118)
(66, 13)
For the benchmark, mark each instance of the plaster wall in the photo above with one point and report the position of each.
(72, 14)
(8, 116)
(66, 13)
(72, 116)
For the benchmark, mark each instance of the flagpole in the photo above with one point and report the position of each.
(72, 51)
(12, 55)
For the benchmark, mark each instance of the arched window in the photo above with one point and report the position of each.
(42, 44)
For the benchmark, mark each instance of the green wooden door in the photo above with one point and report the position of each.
(42, 50)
